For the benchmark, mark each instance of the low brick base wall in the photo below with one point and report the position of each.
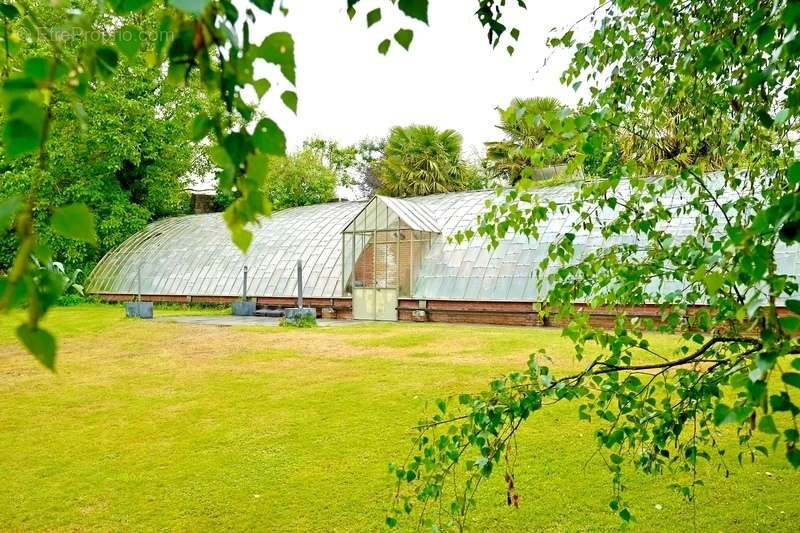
(469, 312)
(509, 313)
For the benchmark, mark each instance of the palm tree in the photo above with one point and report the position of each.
(420, 160)
(525, 124)
(659, 143)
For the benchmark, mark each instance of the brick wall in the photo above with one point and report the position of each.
(364, 270)
(202, 203)
(449, 311)
(386, 261)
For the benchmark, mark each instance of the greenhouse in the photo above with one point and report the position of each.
(380, 259)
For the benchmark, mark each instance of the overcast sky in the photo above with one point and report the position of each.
(451, 77)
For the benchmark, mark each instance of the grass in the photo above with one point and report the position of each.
(163, 426)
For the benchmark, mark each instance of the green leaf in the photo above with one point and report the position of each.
(515, 34)
(351, 10)
(19, 85)
(713, 282)
(790, 324)
(40, 343)
(391, 521)
(794, 173)
(122, 7)
(793, 306)
(290, 100)
(261, 86)
(403, 37)
(9, 11)
(17, 292)
(201, 125)
(20, 138)
(128, 40)
(221, 158)
(24, 109)
(417, 9)
(767, 425)
(195, 7)
(164, 32)
(74, 221)
(793, 455)
(107, 60)
(384, 46)
(723, 414)
(790, 232)
(278, 48)
(237, 144)
(269, 138)
(265, 5)
(242, 238)
(441, 405)
(791, 378)
(257, 166)
(625, 514)
(373, 17)
(8, 208)
(37, 68)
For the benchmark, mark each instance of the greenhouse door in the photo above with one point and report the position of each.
(374, 304)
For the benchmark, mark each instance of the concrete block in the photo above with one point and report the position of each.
(139, 310)
(295, 313)
(244, 308)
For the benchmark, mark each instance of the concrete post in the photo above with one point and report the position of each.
(138, 308)
(244, 283)
(244, 307)
(299, 284)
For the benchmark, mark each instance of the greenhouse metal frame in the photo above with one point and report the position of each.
(434, 277)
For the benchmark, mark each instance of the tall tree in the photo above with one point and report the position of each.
(421, 160)
(118, 155)
(355, 165)
(723, 289)
(123, 150)
(299, 179)
(657, 143)
(525, 123)
(339, 158)
(369, 153)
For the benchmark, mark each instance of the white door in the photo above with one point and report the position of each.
(363, 304)
(374, 304)
(386, 304)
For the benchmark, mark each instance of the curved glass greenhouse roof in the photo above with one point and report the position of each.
(194, 256)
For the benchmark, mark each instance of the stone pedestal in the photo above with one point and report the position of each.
(139, 310)
(296, 313)
(244, 308)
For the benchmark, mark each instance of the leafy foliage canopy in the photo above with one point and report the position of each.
(731, 70)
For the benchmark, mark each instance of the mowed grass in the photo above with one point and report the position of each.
(157, 426)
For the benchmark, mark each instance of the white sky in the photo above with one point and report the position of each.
(451, 77)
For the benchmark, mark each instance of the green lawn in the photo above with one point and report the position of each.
(159, 426)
